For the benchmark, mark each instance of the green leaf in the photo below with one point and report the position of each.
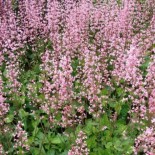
(118, 107)
(120, 91)
(9, 118)
(104, 92)
(56, 140)
(51, 152)
(108, 145)
(40, 135)
(23, 113)
(64, 153)
(91, 142)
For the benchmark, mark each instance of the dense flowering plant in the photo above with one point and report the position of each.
(77, 77)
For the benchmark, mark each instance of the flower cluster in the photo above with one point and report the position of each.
(20, 137)
(80, 148)
(145, 142)
(4, 107)
(1, 149)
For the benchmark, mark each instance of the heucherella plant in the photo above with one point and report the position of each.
(77, 77)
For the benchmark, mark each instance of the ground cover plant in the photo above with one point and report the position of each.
(77, 77)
